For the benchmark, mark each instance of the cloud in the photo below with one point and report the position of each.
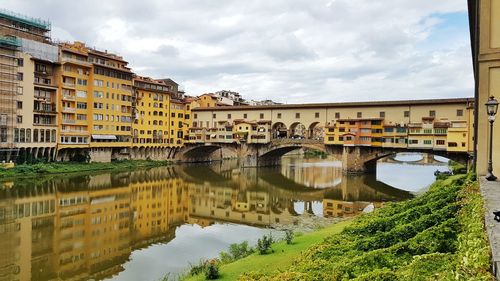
(290, 51)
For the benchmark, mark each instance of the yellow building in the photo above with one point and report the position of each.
(152, 107)
(207, 100)
(96, 103)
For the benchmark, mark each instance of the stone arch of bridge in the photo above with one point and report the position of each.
(315, 131)
(279, 130)
(280, 150)
(370, 156)
(297, 130)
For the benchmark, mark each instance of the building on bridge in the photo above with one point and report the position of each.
(444, 124)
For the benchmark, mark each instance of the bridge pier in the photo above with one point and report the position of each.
(358, 160)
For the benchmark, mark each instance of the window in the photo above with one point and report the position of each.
(440, 142)
(19, 90)
(98, 83)
(195, 116)
(279, 115)
(432, 113)
(20, 62)
(428, 142)
(20, 76)
(460, 112)
(214, 115)
(297, 115)
(82, 82)
(81, 94)
(427, 131)
(229, 116)
(414, 141)
(19, 105)
(245, 116)
(337, 115)
(360, 114)
(382, 114)
(262, 116)
(316, 115)
(19, 119)
(407, 113)
(81, 105)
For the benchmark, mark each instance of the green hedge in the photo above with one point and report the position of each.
(437, 236)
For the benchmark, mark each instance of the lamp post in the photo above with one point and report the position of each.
(491, 109)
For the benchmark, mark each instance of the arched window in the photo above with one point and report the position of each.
(160, 123)
(28, 135)
(47, 135)
(35, 135)
(53, 138)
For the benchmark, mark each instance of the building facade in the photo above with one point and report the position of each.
(484, 19)
(421, 124)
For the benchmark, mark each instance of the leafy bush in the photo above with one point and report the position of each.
(236, 251)
(264, 244)
(212, 270)
(289, 236)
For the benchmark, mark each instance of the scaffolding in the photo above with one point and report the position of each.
(9, 47)
(38, 23)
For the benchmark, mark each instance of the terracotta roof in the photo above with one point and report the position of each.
(346, 104)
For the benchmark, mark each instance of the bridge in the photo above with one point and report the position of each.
(355, 159)
(357, 133)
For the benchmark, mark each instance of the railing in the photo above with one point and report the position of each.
(74, 131)
(68, 121)
(66, 59)
(66, 97)
(70, 85)
(69, 109)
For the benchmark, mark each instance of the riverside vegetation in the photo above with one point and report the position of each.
(43, 168)
(436, 236)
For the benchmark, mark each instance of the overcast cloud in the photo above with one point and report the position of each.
(290, 51)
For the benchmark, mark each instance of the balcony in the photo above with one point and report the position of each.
(69, 85)
(73, 60)
(69, 109)
(45, 111)
(69, 131)
(68, 121)
(67, 97)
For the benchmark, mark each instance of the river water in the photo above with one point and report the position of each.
(144, 224)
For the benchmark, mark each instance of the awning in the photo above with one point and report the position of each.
(104, 137)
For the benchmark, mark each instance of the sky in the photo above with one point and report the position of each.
(290, 51)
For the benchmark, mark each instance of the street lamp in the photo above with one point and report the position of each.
(491, 109)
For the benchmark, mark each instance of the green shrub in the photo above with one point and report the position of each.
(289, 236)
(236, 251)
(264, 244)
(212, 270)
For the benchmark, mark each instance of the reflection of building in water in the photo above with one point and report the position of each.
(344, 209)
(26, 229)
(85, 227)
(252, 207)
(311, 175)
(158, 206)
(92, 230)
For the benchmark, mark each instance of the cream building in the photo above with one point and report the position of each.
(484, 18)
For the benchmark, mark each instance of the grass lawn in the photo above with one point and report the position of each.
(282, 257)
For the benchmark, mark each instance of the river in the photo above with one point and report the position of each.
(144, 224)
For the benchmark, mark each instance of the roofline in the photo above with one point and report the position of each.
(340, 104)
